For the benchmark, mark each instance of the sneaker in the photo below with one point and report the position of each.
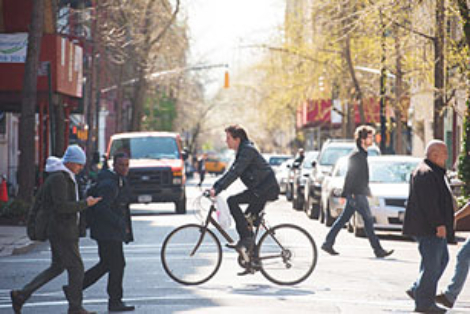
(66, 291)
(432, 309)
(383, 253)
(80, 311)
(329, 249)
(442, 299)
(410, 293)
(120, 306)
(17, 300)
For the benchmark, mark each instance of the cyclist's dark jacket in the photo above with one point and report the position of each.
(357, 177)
(110, 217)
(430, 202)
(253, 170)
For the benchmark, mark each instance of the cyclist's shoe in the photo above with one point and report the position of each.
(243, 247)
(248, 271)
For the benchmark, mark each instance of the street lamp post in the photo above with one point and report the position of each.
(383, 86)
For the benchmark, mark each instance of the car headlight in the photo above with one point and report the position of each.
(374, 201)
(337, 192)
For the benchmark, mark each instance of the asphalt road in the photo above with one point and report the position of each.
(353, 282)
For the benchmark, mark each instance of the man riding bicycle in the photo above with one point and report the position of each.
(258, 177)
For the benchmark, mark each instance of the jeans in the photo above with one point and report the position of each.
(461, 271)
(255, 205)
(111, 261)
(65, 256)
(360, 204)
(434, 259)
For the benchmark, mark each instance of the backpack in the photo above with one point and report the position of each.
(38, 218)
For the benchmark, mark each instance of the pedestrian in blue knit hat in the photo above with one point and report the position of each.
(65, 226)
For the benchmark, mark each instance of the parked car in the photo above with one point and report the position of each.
(156, 170)
(300, 179)
(282, 173)
(330, 152)
(389, 185)
(275, 160)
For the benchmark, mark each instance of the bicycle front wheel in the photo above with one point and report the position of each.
(287, 254)
(191, 254)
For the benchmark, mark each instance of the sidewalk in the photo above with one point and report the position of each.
(13, 240)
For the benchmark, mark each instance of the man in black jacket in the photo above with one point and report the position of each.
(355, 190)
(429, 218)
(258, 177)
(110, 226)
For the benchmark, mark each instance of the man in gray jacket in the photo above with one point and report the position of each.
(258, 177)
(64, 229)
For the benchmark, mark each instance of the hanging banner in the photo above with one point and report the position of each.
(13, 47)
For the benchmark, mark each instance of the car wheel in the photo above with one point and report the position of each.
(297, 202)
(289, 192)
(328, 219)
(358, 231)
(181, 205)
(321, 213)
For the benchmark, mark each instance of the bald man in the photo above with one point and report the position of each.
(429, 218)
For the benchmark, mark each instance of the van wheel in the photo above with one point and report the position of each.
(181, 205)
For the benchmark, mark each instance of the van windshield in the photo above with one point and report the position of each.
(149, 147)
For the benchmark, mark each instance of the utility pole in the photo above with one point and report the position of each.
(383, 88)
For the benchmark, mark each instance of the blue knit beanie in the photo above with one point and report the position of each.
(75, 154)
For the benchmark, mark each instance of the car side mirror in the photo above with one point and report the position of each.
(314, 163)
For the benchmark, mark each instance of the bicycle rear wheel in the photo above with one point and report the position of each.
(287, 254)
(191, 257)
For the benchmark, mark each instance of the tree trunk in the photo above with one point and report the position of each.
(26, 169)
(139, 99)
(398, 94)
(439, 70)
(119, 98)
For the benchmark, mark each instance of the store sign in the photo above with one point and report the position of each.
(13, 47)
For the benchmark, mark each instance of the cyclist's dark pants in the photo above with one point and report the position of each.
(255, 205)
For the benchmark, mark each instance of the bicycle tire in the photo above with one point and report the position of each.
(178, 262)
(291, 264)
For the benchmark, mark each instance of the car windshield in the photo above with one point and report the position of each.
(331, 155)
(150, 147)
(309, 157)
(391, 171)
(277, 160)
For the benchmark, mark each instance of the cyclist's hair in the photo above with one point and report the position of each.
(236, 131)
(118, 156)
(362, 132)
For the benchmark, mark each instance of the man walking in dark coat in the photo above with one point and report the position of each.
(355, 190)
(65, 227)
(429, 217)
(110, 226)
(259, 178)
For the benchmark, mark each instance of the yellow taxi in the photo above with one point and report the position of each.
(215, 165)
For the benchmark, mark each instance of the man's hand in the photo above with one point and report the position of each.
(441, 232)
(90, 200)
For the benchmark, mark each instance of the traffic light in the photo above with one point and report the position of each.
(227, 80)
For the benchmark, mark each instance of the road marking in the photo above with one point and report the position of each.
(405, 305)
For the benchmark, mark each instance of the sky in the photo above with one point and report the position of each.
(222, 31)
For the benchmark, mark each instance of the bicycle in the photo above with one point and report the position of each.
(285, 254)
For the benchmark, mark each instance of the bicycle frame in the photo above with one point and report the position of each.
(211, 220)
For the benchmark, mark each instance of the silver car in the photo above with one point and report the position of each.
(389, 185)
